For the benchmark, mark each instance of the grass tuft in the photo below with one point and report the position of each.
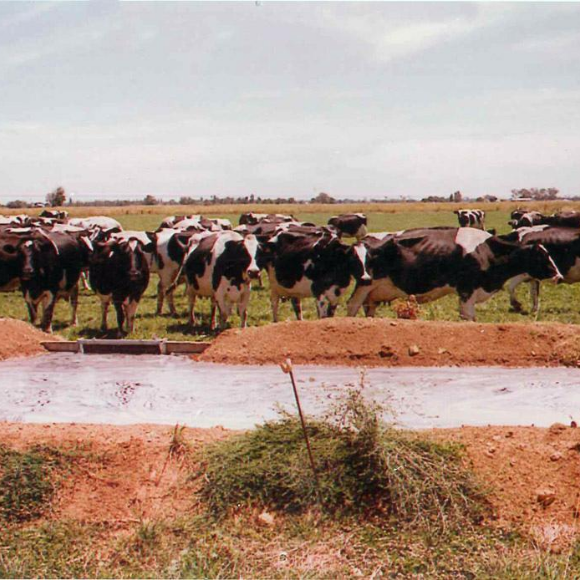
(364, 466)
(27, 482)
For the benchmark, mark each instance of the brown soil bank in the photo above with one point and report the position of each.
(381, 342)
(125, 473)
(18, 338)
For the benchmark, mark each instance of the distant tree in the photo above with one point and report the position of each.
(150, 200)
(16, 204)
(323, 198)
(457, 197)
(535, 193)
(57, 197)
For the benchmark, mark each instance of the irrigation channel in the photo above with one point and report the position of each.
(121, 389)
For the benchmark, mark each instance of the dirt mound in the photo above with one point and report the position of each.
(123, 473)
(18, 338)
(381, 342)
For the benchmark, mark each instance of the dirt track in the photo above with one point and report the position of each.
(381, 342)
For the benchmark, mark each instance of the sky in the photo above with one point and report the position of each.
(360, 100)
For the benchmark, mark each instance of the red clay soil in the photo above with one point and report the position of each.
(18, 339)
(125, 474)
(382, 342)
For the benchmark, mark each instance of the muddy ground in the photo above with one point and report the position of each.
(382, 342)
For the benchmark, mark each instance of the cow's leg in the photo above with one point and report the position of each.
(515, 304)
(74, 304)
(275, 301)
(105, 301)
(120, 309)
(191, 296)
(48, 304)
(297, 306)
(535, 295)
(212, 313)
(32, 308)
(322, 307)
(160, 298)
(370, 308)
(171, 302)
(225, 309)
(357, 299)
(243, 305)
(131, 310)
(467, 307)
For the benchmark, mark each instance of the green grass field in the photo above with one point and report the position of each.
(557, 303)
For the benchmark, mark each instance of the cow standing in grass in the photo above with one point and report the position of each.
(432, 262)
(220, 267)
(119, 273)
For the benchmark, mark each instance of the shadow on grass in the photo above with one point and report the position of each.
(98, 333)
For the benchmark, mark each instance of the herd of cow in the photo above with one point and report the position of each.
(47, 256)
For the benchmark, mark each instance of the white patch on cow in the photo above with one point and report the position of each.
(27, 244)
(470, 238)
(251, 244)
(87, 243)
(132, 245)
(523, 232)
(361, 252)
(558, 275)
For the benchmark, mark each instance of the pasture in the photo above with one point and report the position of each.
(558, 304)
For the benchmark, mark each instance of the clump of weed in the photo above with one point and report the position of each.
(27, 482)
(178, 445)
(363, 466)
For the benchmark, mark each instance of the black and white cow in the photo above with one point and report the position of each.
(171, 248)
(119, 272)
(522, 218)
(471, 218)
(432, 262)
(252, 218)
(352, 225)
(50, 267)
(562, 243)
(54, 214)
(101, 222)
(220, 267)
(320, 266)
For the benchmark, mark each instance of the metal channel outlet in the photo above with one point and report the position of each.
(120, 346)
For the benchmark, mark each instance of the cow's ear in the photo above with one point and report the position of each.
(456, 212)
(149, 248)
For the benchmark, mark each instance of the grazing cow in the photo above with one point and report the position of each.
(220, 267)
(96, 222)
(119, 272)
(521, 218)
(564, 219)
(352, 225)
(471, 218)
(50, 267)
(251, 218)
(432, 262)
(562, 243)
(301, 266)
(54, 214)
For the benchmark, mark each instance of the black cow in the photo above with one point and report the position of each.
(300, 266)
(563, 244)
(119, 272)
(432, 262)
(50, 267)
(471, 218)
(352, 225)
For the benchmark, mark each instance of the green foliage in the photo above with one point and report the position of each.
(26, 482)
(363, 466)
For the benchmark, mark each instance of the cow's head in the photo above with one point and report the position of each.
(253, 248)
(538, 263)
(34, 253)
(131, 256)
